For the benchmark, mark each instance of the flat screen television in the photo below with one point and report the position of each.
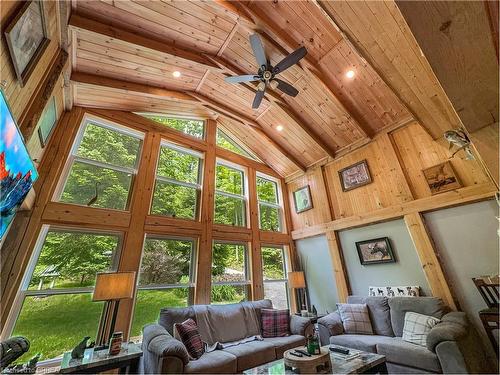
(17, 171)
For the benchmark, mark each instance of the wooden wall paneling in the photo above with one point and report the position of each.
(485, 141)
(452, 36)
(204, 266)
(320, 213)
(19, 246)
(428, 258)
(339, 270)
(388, 186)
(133, 241)
(419, 151)
(467, 195)
(255, 250)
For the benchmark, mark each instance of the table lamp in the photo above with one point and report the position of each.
(297, 280)
(111, 287)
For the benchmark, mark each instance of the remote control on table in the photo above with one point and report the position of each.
(302, 352)
(339, 350)
(296, 354)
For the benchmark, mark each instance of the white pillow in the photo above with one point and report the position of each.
(417, 327)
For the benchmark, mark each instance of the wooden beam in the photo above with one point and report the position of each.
(255, 251)
(89, 25)
(139, 88)
(339, 270)
(428, 258)
(453, 198)
(242, 160)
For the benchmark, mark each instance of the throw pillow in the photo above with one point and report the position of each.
(394, 291)
(355, 318)
(417, 327)
(190, 337)
(275, 323)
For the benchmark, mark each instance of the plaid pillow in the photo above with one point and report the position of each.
(190, 337)
(355, 318)
(417, 327)
(275, 323)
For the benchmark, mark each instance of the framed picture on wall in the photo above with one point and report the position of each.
(27, 38)
(441, 178)
(47, 121)
(355, 175)
(375, 251)
(302, 199)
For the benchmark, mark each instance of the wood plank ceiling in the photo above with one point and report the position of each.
(124, 54)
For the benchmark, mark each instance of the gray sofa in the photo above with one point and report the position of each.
(450, 344)
(163, 354)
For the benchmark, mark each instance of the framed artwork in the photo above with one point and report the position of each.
(302, 199)
(47, 121)
(375, 251)
(355, 175)
(441, 178)
(27, 38)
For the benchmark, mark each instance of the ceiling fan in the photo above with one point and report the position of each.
(266, 76)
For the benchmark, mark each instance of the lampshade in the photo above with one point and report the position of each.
(296, 279)
(113, 286)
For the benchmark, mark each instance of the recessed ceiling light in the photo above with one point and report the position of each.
(350, 74)
(279, 128)
(176, 74)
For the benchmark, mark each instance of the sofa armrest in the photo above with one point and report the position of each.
(329, 325)
(161, 352)
(300, 325)
(453, 327)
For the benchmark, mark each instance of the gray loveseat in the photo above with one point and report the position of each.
(164, 354)
(449, 344)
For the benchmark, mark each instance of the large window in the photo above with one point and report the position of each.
(165, 279)
(102, 166)
(230, 273)
(230, 195)
(225, 141)
(270, 217)
(275, 276)
(54, 308)
(178, 188)
(194, 128)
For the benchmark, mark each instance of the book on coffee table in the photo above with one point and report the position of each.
(353, 353)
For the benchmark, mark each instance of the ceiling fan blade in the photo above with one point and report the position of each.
(258, 50)
(259, 95)
(286, 87)
(290, 60)
(243, 78)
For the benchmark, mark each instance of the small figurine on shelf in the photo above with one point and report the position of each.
(25, 368)
(79, 350)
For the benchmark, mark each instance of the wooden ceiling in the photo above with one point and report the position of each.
(124, 53)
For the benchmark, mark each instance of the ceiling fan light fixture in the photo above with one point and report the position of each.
(350, 74)
(273, 84)
(261, 86)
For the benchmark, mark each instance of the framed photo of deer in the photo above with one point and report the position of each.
(375, 251)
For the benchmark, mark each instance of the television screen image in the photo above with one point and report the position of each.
(17, 171)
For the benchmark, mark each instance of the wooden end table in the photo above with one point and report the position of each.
(93, 362)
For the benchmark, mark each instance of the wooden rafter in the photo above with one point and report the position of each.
(93, 26)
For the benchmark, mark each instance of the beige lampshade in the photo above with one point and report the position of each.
(296, 279)
(113, 286)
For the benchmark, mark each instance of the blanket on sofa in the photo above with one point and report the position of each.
(229, 325)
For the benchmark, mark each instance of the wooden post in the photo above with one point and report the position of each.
(203, 272)
(428, 258)
(339, 270)
(256, 253)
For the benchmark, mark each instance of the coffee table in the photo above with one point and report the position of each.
(365, 363)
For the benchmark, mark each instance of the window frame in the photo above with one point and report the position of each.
(230, 139)
(279, 205)
(166, 180)
(244, 197)
(178, 117)
(73, 157)
(285, 255)
(23, 292)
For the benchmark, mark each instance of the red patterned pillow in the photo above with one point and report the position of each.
(190, 337)
(275, 323)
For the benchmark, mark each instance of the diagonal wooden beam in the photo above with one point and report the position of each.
(309, 65)
(89, 25)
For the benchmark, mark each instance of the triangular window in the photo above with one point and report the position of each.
(225, 141)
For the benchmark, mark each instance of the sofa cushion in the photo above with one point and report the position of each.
(282, 344)
(417, 327)
(405, 353)
(170, 316)
(216, 362)
(355, 318)
(380, 313)
(423, 305)
(190, 337)
(275, 323)
(367, 343)
(252, 354)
